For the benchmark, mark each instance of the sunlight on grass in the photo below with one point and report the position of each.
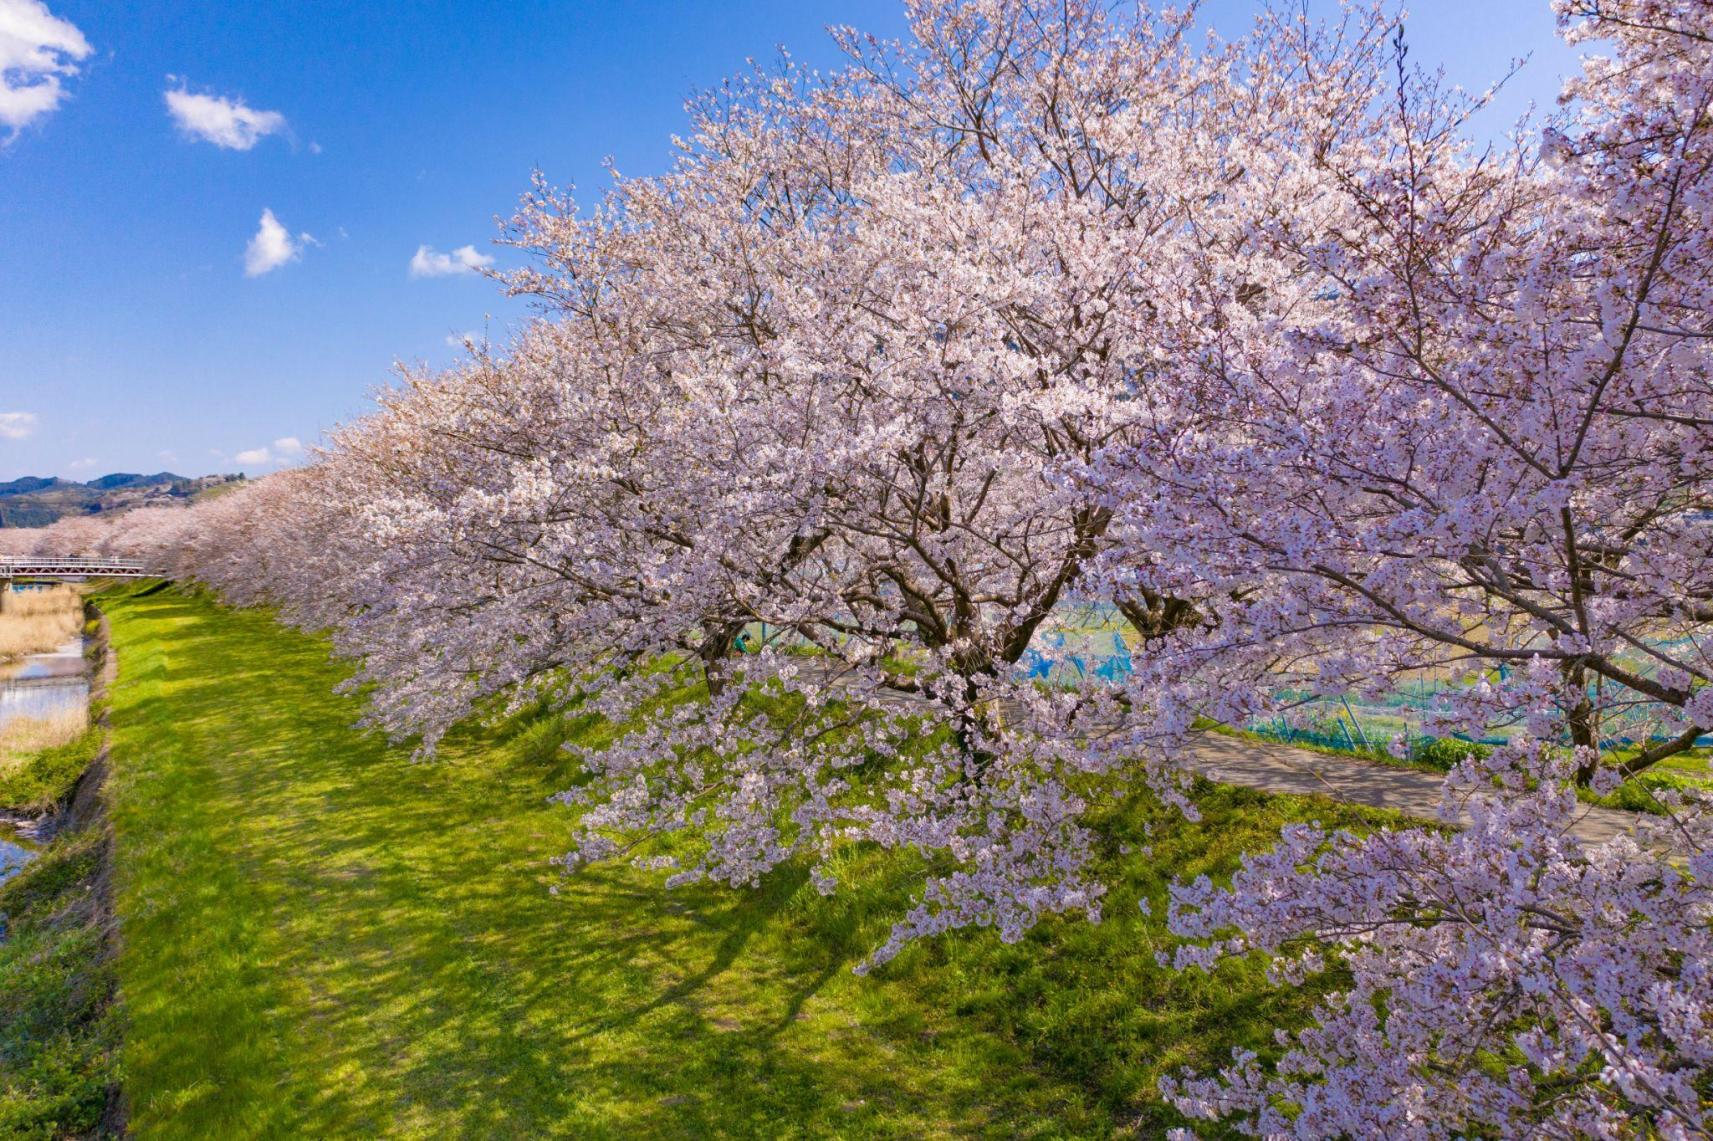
(1689, 771)
(323, 938)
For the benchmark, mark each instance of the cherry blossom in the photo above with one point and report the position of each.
(812, 435)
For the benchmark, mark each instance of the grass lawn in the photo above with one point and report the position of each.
(322, 938)
(1687, 771)
(58, 1029)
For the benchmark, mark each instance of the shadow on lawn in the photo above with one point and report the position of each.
(325, 938)
(369, 943)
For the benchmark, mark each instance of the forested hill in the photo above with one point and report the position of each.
(36, 501)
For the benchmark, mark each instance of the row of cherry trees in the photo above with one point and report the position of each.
(1056, 301)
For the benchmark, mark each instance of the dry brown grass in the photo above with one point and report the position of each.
(36, 621)
(53, 600)
(23, 736)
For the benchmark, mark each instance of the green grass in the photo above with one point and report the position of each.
(1687, 771)
(58, 1028)
(322, 938)
(43, 778)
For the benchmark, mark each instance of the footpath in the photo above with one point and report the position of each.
(1278, 768)
(1270, 767)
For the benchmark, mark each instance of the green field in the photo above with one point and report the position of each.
(322, 938)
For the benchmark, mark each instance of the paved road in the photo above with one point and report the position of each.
(1282, 768)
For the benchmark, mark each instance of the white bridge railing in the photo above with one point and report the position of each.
(70, 566)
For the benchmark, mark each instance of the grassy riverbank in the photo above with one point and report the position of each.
(59, 1030)
(38, 772)
(59, 1024)
(322, 938)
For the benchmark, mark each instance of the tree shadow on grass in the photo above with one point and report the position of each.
(366, 943)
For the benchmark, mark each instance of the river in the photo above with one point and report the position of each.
(40, 686)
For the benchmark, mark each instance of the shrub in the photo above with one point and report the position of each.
(1444, 753)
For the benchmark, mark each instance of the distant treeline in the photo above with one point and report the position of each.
(37, 501)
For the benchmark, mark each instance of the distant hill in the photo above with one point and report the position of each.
(36, 501)
(28, 483)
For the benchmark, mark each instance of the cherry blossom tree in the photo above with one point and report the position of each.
(821, 380)
(1503, 978)
(814, 432)
(1460, 422)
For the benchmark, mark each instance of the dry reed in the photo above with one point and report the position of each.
(23, 736)
(36, 621)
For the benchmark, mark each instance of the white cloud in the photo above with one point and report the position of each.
(87, 463)
(428, 262)
(16, 425)
(228, 123)
(272, 247)
(36, 49)
(285, 450)
(168, 455)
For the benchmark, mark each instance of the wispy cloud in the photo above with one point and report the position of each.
(459, 340)
(272, 246)
(429, 262)
(36, 49)
(285, 450)
(216, 119)
(87, 463)
(16, 425)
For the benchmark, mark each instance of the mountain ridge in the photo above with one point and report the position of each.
(37, 501)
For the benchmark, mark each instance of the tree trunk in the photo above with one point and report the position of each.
(1584, 730)
(719, 641)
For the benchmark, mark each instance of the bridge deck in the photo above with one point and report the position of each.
(70, 566)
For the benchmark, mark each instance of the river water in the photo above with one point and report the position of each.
(41, 686)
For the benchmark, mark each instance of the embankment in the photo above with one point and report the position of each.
(59, 1021)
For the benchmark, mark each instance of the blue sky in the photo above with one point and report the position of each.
(136, 334)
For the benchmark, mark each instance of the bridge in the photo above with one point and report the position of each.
(69, 567)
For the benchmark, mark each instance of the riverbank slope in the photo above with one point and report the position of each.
(60, 1025)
